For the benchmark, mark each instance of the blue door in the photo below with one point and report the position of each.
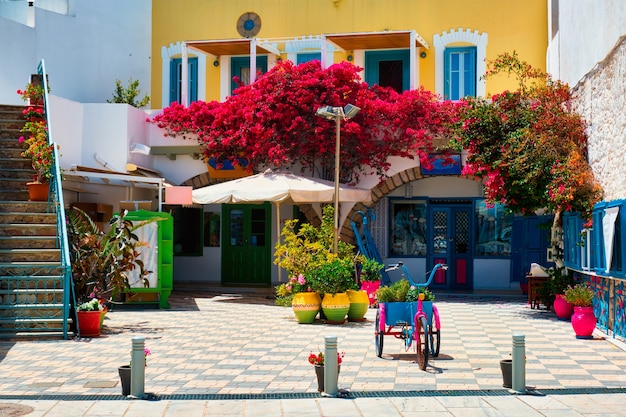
(240, 68)
(176, 79)
(451, 243)
(388, 69)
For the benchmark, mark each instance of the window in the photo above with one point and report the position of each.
(176, 77)
(388, 69)
(459, 73)
(309, 56)
(240, 67)
(493, 230)
(188, 230)
(408, 228)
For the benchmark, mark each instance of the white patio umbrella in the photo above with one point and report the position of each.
(278, 187)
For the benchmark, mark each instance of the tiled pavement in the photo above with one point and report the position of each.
(215, 353)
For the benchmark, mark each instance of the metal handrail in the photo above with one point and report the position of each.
(56, 194)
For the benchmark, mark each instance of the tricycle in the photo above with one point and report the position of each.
(411, 321)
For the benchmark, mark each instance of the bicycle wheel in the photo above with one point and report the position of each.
(421, 339)
(435, 340)
(379, 335)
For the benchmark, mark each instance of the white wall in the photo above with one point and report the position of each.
(114, 43)
(588, 30)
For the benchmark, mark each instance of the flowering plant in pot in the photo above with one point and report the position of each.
(100, 260)
(318, 362)
(583, 320)
(33, 93)
(369, 276)
(125, 370)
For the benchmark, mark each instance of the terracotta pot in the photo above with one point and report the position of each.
(89, 323)
(583, 322)
(38, 191)
(359, 303)
(371, 287)
(305, 306)
(335, 307)
(562, 308)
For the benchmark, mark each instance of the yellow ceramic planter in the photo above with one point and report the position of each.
(359, 303)
(305, 306)
(336, 307)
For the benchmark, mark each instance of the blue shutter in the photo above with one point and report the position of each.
(302, 58)
(176, 79)
(242, 63)
(459, 72)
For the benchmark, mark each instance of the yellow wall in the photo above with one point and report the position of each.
(512, 25)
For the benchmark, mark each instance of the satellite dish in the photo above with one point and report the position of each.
(249, 24)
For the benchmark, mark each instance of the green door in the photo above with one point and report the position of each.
(246, 245)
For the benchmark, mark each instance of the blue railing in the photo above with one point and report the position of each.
(56, 196)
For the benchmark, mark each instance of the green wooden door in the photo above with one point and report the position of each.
(246, 245)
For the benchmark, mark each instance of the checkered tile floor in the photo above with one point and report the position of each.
(221, 343)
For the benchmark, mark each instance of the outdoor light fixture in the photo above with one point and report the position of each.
(337, 113)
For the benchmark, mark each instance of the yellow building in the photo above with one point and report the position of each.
(441, 45)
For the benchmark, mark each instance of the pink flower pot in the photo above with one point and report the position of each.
(562, 308)
(371, 287)
(583, 322)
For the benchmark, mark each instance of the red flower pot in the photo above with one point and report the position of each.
(89, 323)
(583, 322)
(562, 308)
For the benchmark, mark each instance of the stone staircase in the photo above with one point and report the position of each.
(31, 274)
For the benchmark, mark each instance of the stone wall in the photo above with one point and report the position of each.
(599, 98)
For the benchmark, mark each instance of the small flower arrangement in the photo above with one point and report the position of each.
(414, 292)
(36, 144)
(92, 305)
(286, 290)
(580, 295)
(370, 270)
(318, 360)
(32, 93)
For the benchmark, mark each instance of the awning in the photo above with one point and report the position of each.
(232, 47)
(376, 40)
(140, 177)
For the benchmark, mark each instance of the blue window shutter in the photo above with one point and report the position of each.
(241, 64)
(306, 57)
(176, 79)
(459, 72)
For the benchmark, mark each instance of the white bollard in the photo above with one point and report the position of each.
(138, 367)
(518, 356)
(330, 366)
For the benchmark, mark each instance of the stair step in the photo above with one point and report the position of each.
(33, 305)
(15, 183)
(7, 140)
(30, 269)
(15, 164)
(11, 152)
(28, 242)
(30, 255)
(13, 195)
(16, 229)
(27, 218)
(55, 333)
(27, 207)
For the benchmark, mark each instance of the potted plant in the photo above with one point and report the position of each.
(400, 299)
(100, 260)
(318, 362)
(37, 149)
(33, 94)
(125, 370)
(369, 276)
(560, 280)
(333, 279)
(583, 320)
(300, 295)
(305, 249)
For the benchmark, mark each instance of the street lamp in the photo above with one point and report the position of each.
(337, 113)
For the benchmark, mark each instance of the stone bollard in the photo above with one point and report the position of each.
(330, 366)
(518, 357)
(138, 368)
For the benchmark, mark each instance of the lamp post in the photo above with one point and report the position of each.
(337, 113)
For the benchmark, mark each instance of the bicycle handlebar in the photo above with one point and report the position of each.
(408, 274)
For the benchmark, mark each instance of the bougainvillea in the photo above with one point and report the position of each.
(527, 146)
(272, 122)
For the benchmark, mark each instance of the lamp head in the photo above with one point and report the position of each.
(327, 112)
(350, 111)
